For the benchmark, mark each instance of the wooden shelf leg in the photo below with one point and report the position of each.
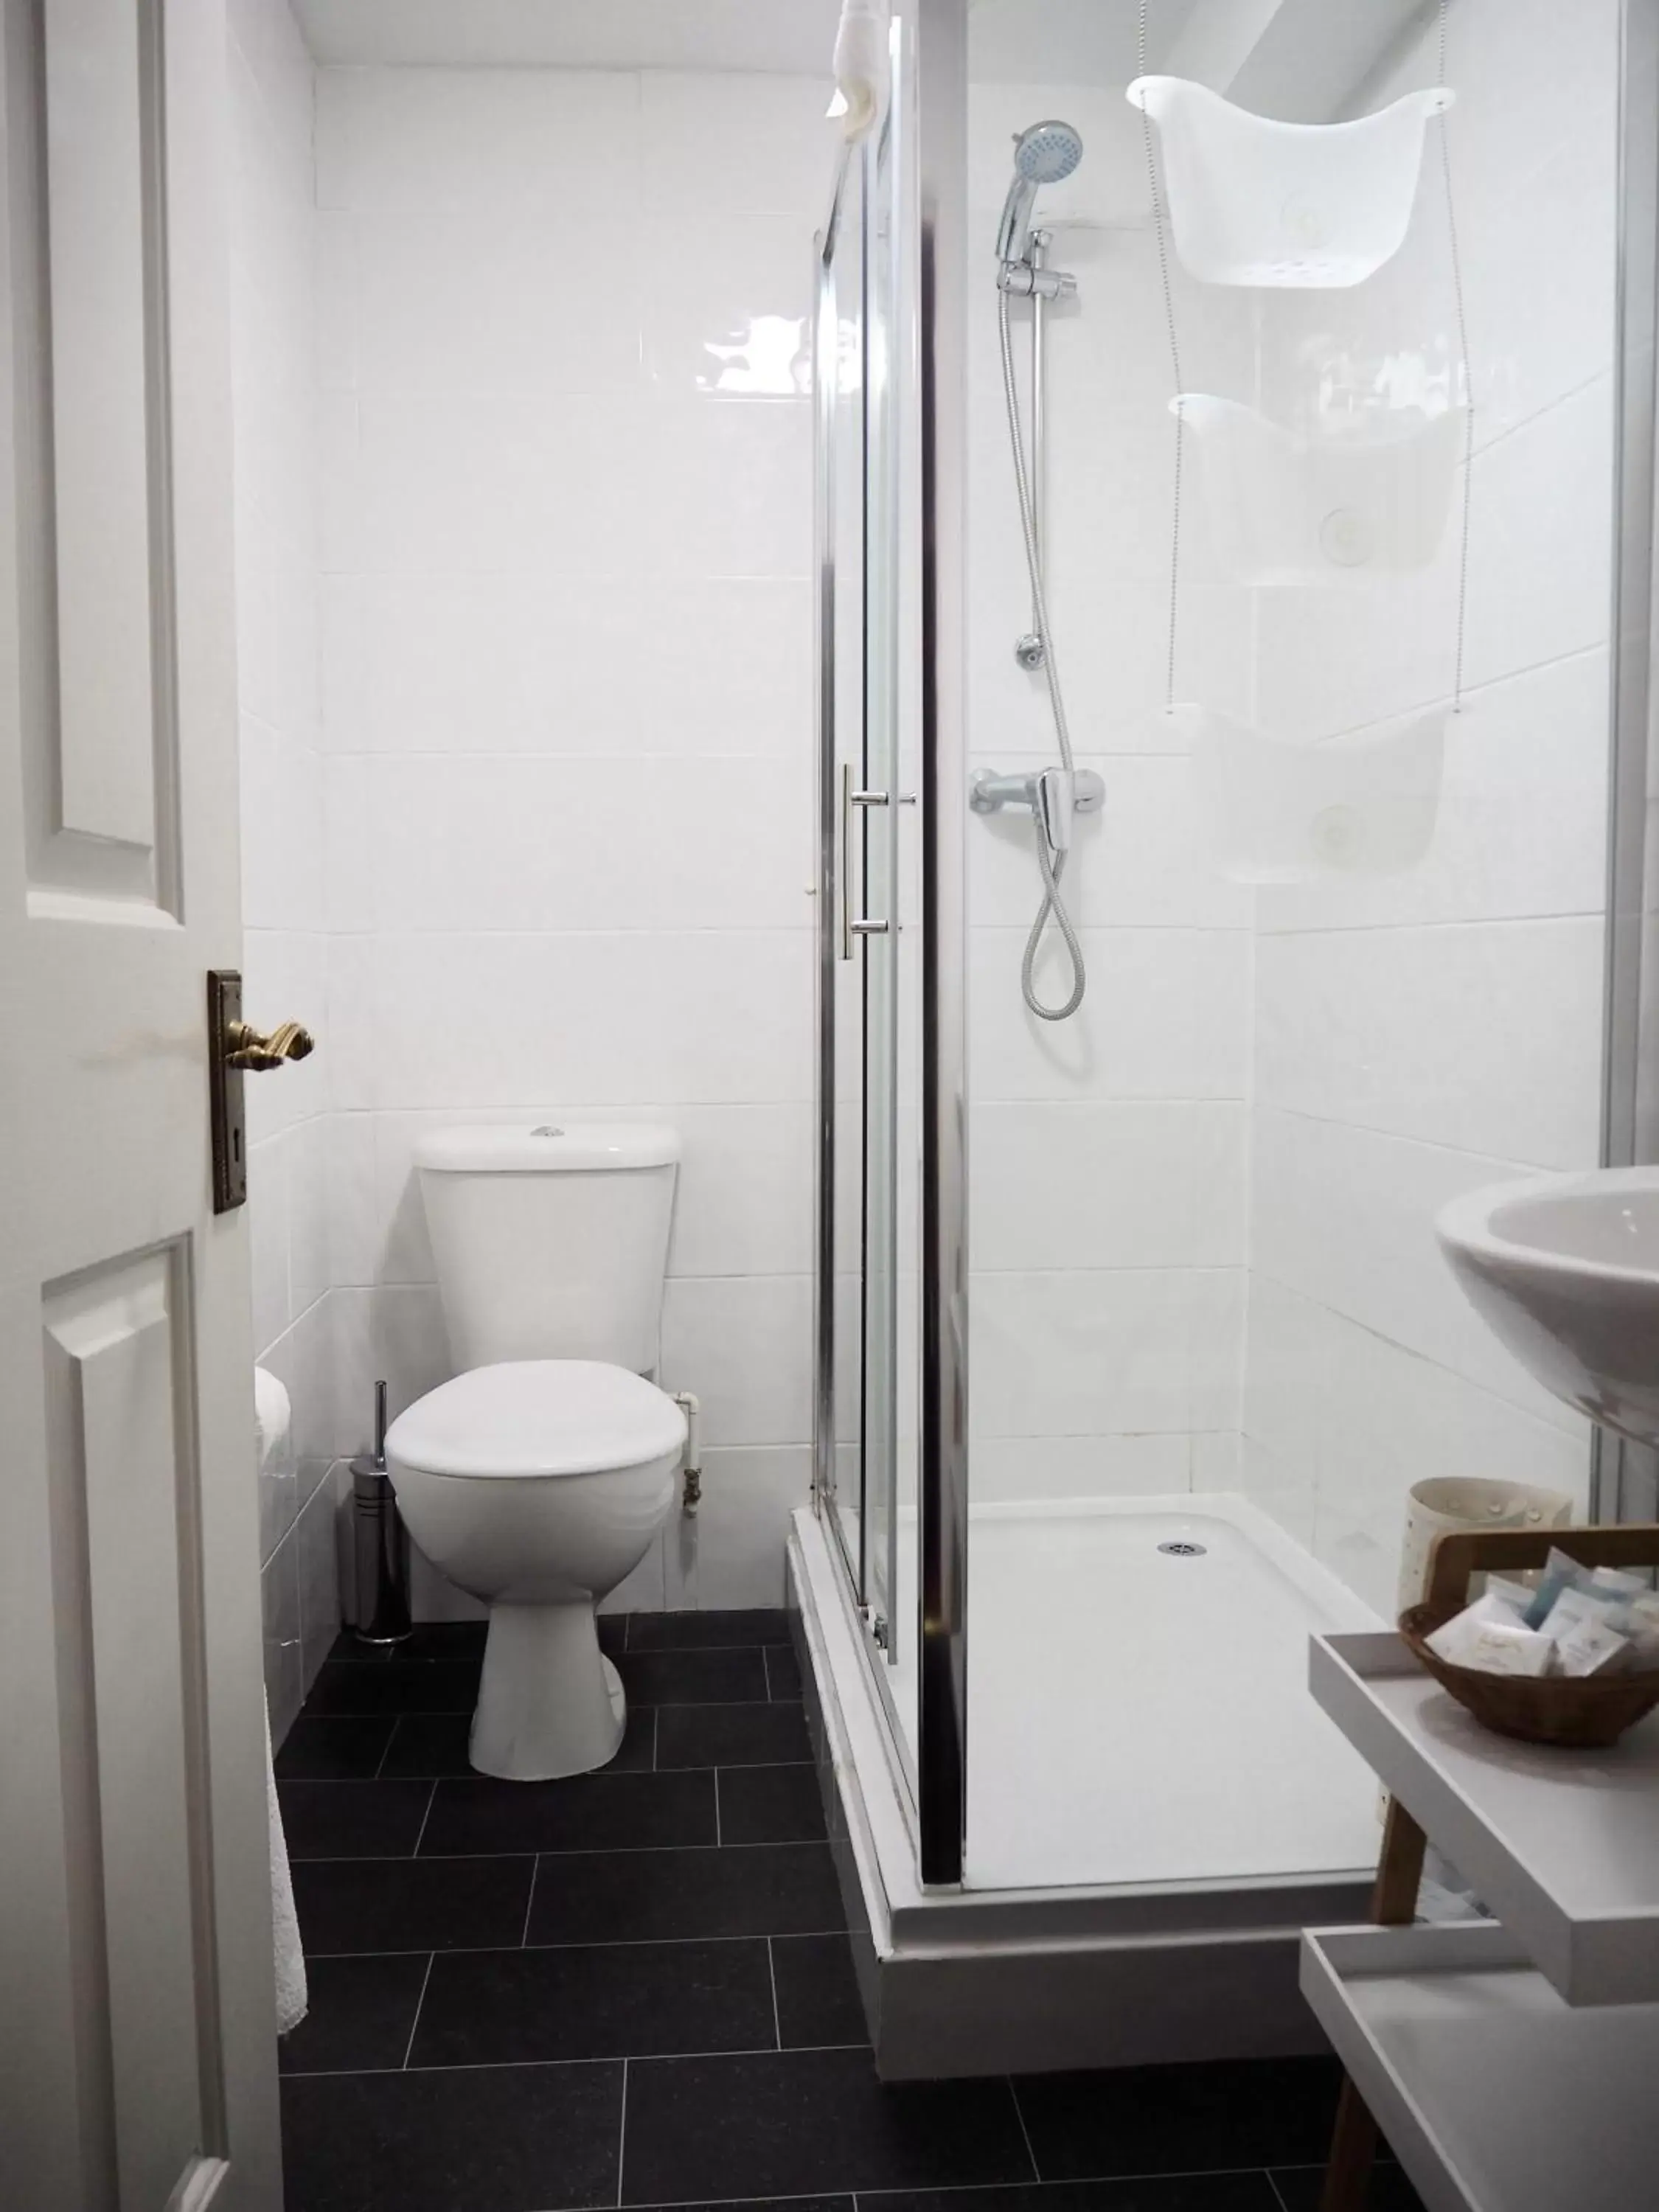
(1353, 2153)
(1393, 1904)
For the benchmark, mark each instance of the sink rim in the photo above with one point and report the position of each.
(1465, 1226)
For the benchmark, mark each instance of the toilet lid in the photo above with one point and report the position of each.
(538, 1417)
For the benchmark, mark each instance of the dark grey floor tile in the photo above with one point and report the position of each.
(1245, 2113)
(362, 2013)
(412, 1905)
(346, 1648)
(782, 1673)
(590, 1812)
(632, 1897)
(732, 1735)
(817, 1991)
(637, 1752)
(774, 2204)
(353, 1819)
(435, 1745)
(801, 2121)
(401, 1686)
(1301, 2187)
(444, 1639)
(322, 1751)
(693, 1631)
(770, 1805)
(693, 1678)
(595, 2001)
(507, 2139)
(429, 1745)
(1186, 2192)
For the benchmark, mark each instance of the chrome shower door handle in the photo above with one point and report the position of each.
(861, 927)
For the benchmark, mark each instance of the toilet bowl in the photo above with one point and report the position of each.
(538, 1485)
(538, 1477)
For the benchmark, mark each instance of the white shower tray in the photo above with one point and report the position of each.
(1330, 511)
(1312, 205)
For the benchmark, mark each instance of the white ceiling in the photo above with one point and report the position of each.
(795, 37)
(1012, 41)
(1292, 58)
(1067, 42)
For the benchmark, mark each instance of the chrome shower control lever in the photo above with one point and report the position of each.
(1054, 804)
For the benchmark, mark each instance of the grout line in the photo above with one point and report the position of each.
(717, 1808)
(772, 1969)
(409, 2048)
(597, 1943)
(550, 1851)
(655, 1733)
(431, 1799)
(1024, 2132)
(385, 1750)
(621, 2134)
(529, 1901)
(651, 2058)
(1278, 2198)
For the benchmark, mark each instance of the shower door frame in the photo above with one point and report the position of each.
(941, 393)
(860, 161)
(926, 389)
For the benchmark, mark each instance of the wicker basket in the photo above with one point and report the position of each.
(1582, 1712)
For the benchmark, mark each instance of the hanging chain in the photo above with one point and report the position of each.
(1174, 364)
(1468, 389)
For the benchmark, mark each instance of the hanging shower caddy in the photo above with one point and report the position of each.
(1316, 205)
(1252, 202)
(1331, 510)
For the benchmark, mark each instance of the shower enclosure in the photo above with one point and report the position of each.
(1132, 1332)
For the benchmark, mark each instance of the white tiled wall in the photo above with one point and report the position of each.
(283, 769)
(565, 654)
(1202, 1209)
(1417, 1036)
(1109, 1152)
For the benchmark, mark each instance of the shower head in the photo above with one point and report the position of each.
(1043, 153)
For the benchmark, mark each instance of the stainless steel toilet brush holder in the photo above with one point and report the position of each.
(379, 1543)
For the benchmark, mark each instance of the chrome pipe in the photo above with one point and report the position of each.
(1038, 258)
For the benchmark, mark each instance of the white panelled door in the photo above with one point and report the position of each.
(137, 2054)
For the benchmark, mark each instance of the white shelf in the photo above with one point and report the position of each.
(1494, 2095)
(1562, 1845)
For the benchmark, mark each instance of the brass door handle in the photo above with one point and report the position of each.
(246, 1047)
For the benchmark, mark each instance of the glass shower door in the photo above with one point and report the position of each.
(858, 921)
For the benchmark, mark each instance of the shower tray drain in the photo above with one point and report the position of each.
(1180, 1551)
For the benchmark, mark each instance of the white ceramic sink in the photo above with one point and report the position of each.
(1564, 1269)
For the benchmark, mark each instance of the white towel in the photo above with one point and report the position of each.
(291, 1995)
(860, 66)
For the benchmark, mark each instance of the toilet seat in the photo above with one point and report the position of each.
(532, 1418)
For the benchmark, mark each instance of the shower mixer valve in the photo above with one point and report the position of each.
(1053, 795)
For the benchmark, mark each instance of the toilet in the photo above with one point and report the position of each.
(538, 1476)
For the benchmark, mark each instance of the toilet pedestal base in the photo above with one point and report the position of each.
(550, 1703)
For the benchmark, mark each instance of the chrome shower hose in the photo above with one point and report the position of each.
(1050, 864)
